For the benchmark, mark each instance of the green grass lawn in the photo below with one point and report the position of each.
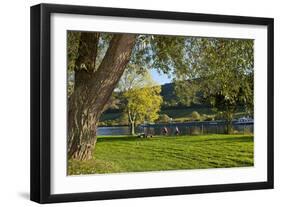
(132, 154)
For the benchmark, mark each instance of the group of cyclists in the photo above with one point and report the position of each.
(165, 131)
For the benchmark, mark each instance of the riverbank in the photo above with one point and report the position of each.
(179, 115)
(115, 154)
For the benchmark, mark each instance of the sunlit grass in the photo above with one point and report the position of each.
(131, 154)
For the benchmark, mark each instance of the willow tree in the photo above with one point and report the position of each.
(218, 72)
(96, 61)
(93, 87)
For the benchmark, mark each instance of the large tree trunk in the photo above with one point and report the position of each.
(81, 125)
(92, 90)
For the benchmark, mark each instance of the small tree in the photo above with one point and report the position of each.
(141, 95)
(143, 104)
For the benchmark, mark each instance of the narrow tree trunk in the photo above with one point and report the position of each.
(132, 121)
(228, 127)
(229, 117)
(132, 127)
(92, 91)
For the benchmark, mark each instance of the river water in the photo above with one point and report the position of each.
(212, 127)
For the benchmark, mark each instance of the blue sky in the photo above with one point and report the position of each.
(160, 78)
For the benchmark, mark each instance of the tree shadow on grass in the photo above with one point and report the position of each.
(234, 139)
(130, 138)
(113, 139)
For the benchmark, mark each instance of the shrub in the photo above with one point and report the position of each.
(110, 123)
(164, 118)
(248, 130)
(219, 116)
(195, 116)
(208, 117)
(195, 130)
(123, 119)
(101, 123)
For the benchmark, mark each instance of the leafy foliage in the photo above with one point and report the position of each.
(219, 72)
(143, 104)
(218, 67)
(134, 77)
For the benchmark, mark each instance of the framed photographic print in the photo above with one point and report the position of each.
(133, 103)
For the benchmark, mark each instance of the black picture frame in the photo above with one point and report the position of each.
(41, 96)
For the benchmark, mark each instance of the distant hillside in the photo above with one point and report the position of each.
(168, 94)
(170, 99)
